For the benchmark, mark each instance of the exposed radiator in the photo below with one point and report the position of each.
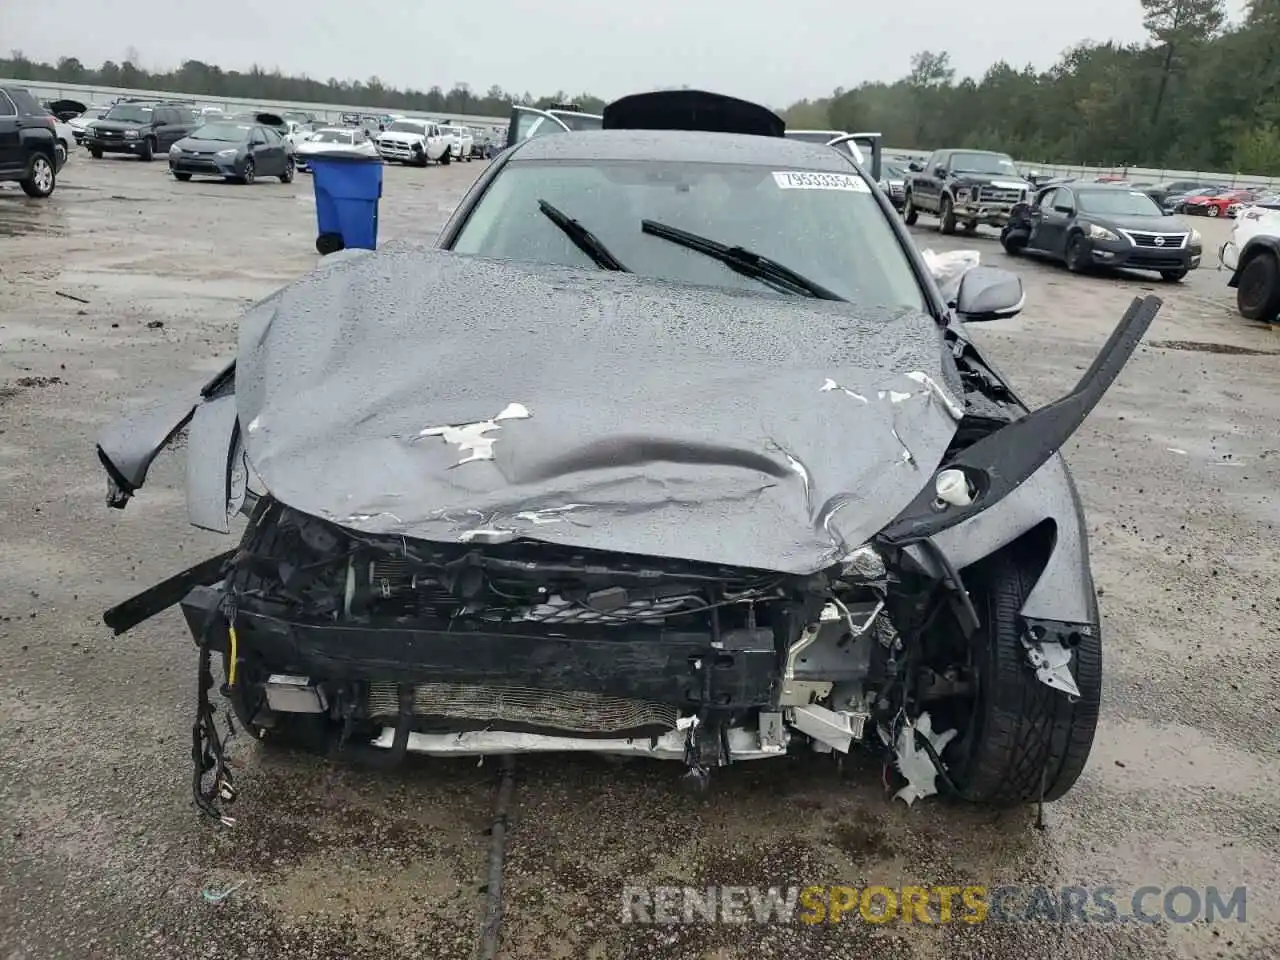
(563, 710)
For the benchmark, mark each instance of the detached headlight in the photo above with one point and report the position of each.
(1101, 233)
(131, 134)
(1195, 237)
(227, 153)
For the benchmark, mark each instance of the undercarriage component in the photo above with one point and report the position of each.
(1052, 663)
(837, 730)
(567, 710)
(743, 744)
(290, 694)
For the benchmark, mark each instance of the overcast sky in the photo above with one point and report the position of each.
(775, 51)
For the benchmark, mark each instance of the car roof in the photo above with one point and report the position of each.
(692, 146)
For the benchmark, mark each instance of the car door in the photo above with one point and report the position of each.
(1042, 202)
(1057, 211)
(277, 150)
(11, 157)
(926, 188)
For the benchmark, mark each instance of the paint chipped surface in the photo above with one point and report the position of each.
(953, 406)
(830, 385)
(685, 416)
(471, 438)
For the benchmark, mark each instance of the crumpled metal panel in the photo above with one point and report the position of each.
(438, 396)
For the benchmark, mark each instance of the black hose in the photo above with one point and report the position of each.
(490, 929)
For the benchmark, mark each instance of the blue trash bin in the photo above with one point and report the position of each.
(348, 188)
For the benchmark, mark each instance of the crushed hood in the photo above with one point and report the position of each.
(427, 394)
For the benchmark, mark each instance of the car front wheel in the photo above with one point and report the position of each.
(909, 213)
(1213, 211)
(287, 176)
(946, 216)
(1172, 276)
(1258, 288)
(1024, 740)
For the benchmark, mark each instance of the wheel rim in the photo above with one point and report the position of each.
(1213, 211)
(248, 171)
(1252, 289)
(1073, 254)
(42, 175)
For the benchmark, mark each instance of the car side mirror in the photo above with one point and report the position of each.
(940, 171)
(914, 167)
(989, 293)
(1069, 211)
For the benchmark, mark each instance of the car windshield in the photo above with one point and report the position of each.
(333, 136)
(129, 113)
(828, 227)
(996, 163)
(1121, 203)
(226, 132)
(405, 126)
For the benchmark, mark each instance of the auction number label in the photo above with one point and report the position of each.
(801, 180)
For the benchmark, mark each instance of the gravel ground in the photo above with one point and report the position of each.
(105, 856)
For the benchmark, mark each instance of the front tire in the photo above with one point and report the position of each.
(946, 216)
(181, 177)
(41, 179)
(62, 152)
(249, 173)
(1213, 211)
(1025, 739)
(1258, 288)
(1172, 276)
(148, 151)
(287, 176)
(95, 153)
(1077, 257)
(909, 213)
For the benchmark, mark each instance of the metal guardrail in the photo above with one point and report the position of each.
(93, 94)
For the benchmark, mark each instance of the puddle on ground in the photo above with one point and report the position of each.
(1199, 347)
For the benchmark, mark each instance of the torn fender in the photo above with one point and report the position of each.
(128, 447)
(1064, 592)
(1004, 459)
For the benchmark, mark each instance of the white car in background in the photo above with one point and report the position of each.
(414, 141)
(333, 140)
(81, 123)
(460, 141)
(1253, 257)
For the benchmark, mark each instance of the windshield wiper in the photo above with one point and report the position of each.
(743, 261)
(582, 238)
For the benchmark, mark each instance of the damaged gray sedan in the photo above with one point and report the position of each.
(699, 464)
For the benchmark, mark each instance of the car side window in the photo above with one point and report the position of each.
(1046, 199)
(7, 109)
(1065, 198)
(257, 137)
(273, 136)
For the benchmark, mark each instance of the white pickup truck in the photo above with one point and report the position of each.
(461, 140)
(1253, 257)
(414, 141)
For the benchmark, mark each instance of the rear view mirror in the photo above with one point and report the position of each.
(914, 167)
(989, 293)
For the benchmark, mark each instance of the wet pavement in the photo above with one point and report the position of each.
(104, 855)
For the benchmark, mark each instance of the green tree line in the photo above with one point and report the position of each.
(1200, 93)
(257, 83)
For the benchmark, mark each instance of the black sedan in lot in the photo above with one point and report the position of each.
(1088, 225)
(239, 152)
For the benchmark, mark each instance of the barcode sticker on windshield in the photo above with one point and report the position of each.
(800, 180)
